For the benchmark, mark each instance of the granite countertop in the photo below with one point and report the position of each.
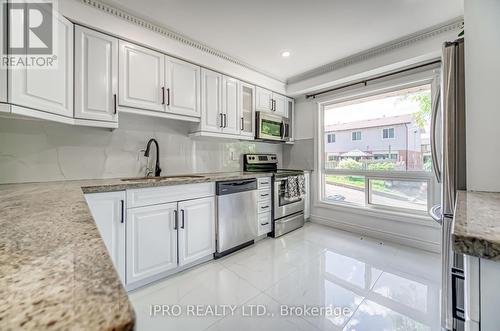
(476, 226)
(55, 272)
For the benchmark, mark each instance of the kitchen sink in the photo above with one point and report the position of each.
(161, 178)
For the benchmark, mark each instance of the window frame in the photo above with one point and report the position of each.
(334, 140)
(360, 135)
(393, 133)
(429, 77)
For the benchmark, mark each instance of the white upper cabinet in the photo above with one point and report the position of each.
(280, 105)
(231, 105)
(3, 71)
(141, 77)
(182, 87)
(108, 210)
(96, 75)
(247, 110)
(196, 229)
(264, 99)
(211, 101)
(48, 89)
(151, 241)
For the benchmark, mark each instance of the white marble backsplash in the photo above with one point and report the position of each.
(32, 151)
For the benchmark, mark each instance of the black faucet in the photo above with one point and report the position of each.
(146, 154)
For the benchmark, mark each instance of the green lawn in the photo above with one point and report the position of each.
(357, 181)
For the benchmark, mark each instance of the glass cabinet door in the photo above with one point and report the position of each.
(247, 120)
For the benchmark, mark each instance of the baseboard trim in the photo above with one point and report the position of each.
(378, 234)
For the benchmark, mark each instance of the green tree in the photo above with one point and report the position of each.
(423, 99)
(423, 115)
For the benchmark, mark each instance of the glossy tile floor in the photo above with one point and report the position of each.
(353, 282)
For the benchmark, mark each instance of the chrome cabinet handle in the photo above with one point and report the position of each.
(225, 120)
(264, 195)
(168, 96)
(114, 103)
(221, 118)
(242, 123)
(162, 95)
(264, 207)
(182, 213)
(264, 223)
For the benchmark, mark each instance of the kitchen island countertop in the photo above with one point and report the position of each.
(476, 226)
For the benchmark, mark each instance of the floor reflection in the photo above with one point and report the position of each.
(381, 286)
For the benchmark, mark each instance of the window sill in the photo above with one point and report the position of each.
(423, 220)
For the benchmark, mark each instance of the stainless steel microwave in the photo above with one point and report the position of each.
(272, 127)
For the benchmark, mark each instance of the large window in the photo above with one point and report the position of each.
(363, 170)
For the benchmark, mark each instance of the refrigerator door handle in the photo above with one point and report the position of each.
(434, 116)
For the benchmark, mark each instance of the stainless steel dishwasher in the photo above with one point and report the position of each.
(236, 215)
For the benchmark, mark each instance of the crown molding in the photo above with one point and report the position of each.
(406, 41)
(169, 33)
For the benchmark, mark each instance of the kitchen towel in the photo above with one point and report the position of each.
(295, 187)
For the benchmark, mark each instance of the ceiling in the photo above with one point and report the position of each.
(316, 32)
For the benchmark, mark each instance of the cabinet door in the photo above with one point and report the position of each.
(108, 210)
(96, 75)
(247, 108)
(182, 87)
(49, 89)
(196, 229)
(231, 105)
(3, 70)
(280, 105)
(211, 101)
(151, 241)
(264, 99)
(141, 77)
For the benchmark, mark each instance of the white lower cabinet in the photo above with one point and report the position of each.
(196, 229)
(481, 294)
(264, 206)
(108, 210)
(151, 241)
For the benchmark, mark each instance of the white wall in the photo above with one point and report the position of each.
(43, 151)
(482, 71)
(422, 51)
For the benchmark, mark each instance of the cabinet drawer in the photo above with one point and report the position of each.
(156, 195)
(264, 225)
(264, 195)
(264, 183)
(264, 206)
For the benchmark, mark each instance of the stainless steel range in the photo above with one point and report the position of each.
(288, 213)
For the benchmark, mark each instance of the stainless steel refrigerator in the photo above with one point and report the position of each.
(449, 154)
